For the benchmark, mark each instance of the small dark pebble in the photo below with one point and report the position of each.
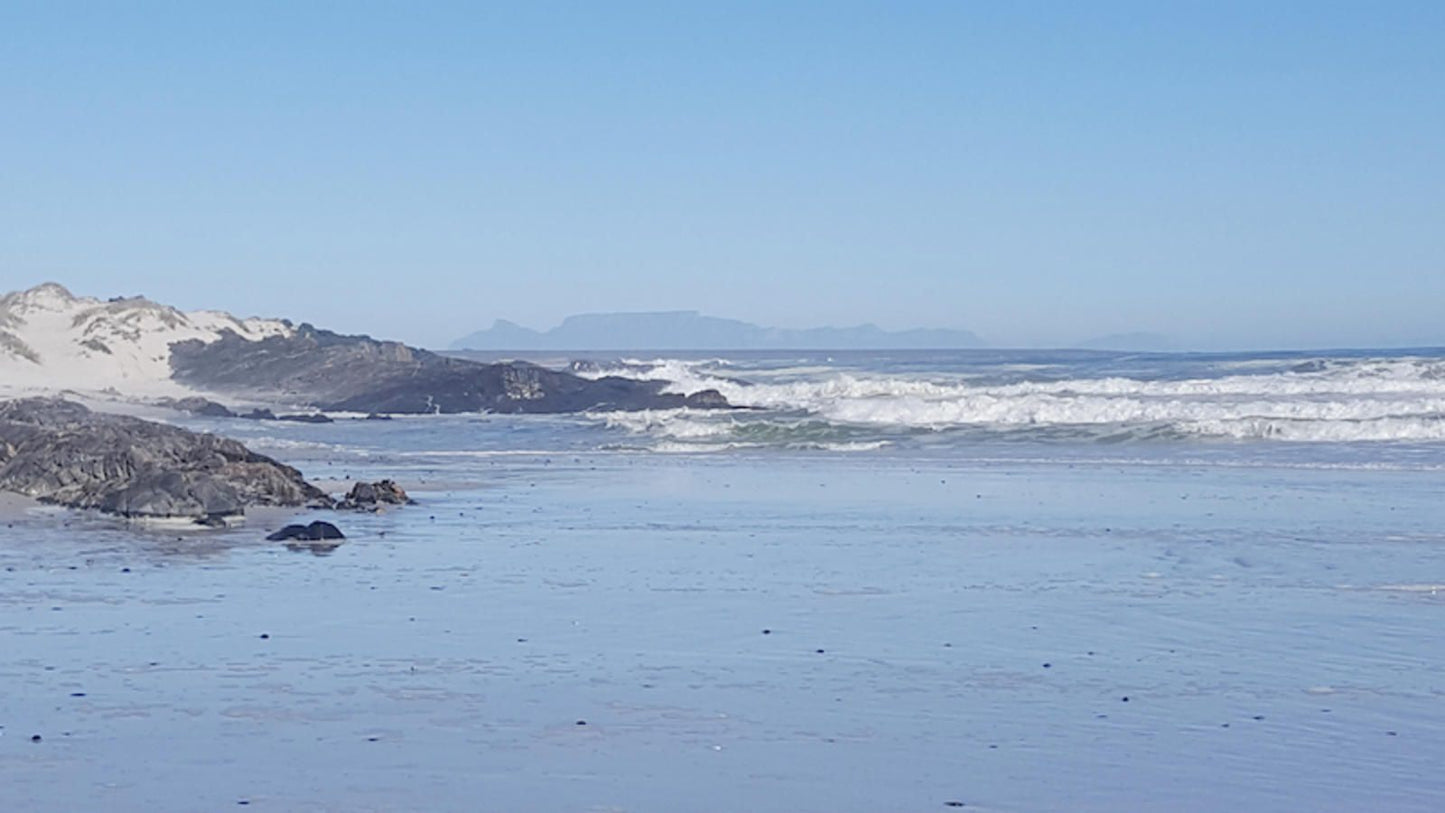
(581, 722)
(1048, 665)
(125, 570)
(1224, 725)
(953, 804)
(77, 694)
(767, 632)
(1257, 717)
(1124, 699)
(35, 738)
(521, 640)
(265, 636)
(372, 739)
(820, 651)
(1390, 733)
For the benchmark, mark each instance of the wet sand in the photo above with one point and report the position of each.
(775, 634)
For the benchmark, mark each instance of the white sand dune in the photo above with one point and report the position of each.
(52, 341)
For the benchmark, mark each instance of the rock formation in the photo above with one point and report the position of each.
(60, 452)
(339, 373)
(373, 496)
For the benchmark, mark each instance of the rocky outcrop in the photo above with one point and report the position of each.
(374, 496)
(60, 452)
(268, 415)
(338, 373)
(207, 408)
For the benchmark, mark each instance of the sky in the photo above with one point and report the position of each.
(1232, 175)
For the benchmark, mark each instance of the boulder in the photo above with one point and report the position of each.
(706, 399)
(317, 531)
(372, 496)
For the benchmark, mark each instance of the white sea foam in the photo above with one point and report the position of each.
(1335, 401)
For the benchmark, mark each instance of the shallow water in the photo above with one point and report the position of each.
(1274, 626)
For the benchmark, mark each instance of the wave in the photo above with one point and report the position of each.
(1322, 400)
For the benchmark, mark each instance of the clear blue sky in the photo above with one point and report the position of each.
(1234, 174)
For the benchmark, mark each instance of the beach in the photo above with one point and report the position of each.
(780, 632)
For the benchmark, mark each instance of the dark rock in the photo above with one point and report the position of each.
(336, 373)
(376, 417)
(706, 399)
(62, 453)
(198, 406)
(371, 496)
(315, 532)
(310, 417)
(259, 415)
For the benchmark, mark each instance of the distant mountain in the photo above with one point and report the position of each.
(690, 330)
(1137, 342)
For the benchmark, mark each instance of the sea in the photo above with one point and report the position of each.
(887, 581)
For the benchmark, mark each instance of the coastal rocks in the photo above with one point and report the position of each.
(62, 453)
(203, 407)
(306, 417)
(207, 408)
(268, 415)
(317, 531)
(373, 496)
(336, 373)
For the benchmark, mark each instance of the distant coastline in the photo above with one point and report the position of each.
(691, 331)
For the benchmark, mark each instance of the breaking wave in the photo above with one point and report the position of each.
(822, 406)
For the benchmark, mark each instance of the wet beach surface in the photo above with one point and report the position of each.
(784, 632)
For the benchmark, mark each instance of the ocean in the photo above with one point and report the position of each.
(1002, 580)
